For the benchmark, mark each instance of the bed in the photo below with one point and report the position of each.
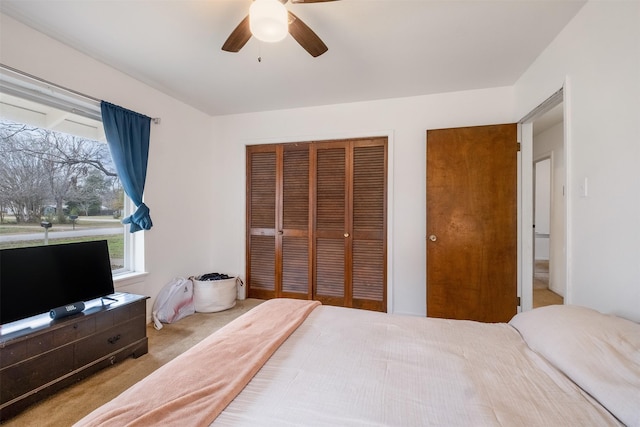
(299, 363)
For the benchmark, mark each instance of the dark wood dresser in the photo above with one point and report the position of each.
(39, 356)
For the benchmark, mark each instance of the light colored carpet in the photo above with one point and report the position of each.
(71, 404)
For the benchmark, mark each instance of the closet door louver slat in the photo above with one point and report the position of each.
(263, 190)
(263, 263)
(331, 192)
(330, 269)
(295, 265)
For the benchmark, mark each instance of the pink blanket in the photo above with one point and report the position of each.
(196, 386)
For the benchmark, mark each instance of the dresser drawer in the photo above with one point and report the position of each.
(74, 331)
(108, 341)
(13, 353)
(35, 372)
(131, 311)
(121, 315)
(39, 344)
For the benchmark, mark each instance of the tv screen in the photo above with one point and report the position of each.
(37, 279)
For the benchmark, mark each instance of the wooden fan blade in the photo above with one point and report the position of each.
(238, 37)
(306, 37)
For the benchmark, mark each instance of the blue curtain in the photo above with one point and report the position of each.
(127, 134)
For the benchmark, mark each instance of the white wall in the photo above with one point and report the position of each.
(598, 56)
(551, 143)
(178, 189)
(404, 120)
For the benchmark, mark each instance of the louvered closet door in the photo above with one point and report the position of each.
(368, 278)
(350, 223)
(278, 221)
(293, 259)
(331, 224)
(316, 222)
(261, 220)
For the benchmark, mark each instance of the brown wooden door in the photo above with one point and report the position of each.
(472, 223)
(350, 223)
(278, 244)
(316, 222)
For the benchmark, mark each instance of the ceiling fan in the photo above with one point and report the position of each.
(298, 30)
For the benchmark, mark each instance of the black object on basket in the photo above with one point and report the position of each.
(213, 276)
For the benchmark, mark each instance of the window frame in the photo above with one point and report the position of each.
(31, 88)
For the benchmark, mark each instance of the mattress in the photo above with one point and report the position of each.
(299, 363)
(345, 367)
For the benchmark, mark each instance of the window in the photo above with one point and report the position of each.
(57, 180)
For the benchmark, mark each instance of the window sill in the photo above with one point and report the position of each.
(126, 280)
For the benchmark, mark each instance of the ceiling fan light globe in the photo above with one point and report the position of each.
(268, 20)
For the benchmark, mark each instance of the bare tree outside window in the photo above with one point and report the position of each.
(57, 177)
(39, 165)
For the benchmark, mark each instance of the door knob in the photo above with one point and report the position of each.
(346, 234)
(433, 238)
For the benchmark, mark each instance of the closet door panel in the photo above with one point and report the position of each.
(295, 190)
(295, 222)
(262, 266)
(295, 266)
(369, 191)
(261, 219)
(331, 191)
(329, 273)
(369, 275)
(331, 228)
(369, 229)
(263, 190)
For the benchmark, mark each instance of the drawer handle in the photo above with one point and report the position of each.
(114, 340)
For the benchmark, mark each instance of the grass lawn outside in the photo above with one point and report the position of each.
(114, 241)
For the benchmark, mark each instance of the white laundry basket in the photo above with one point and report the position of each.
(210, 296)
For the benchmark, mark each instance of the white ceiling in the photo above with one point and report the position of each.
(377, 48)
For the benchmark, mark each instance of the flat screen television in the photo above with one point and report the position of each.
(35, 280)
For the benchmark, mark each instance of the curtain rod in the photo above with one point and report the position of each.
(155, 120)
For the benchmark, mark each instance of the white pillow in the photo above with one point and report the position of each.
(598, 352)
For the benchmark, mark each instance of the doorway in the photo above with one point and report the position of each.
(543, 240)
(549, 208)
(543, 138)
